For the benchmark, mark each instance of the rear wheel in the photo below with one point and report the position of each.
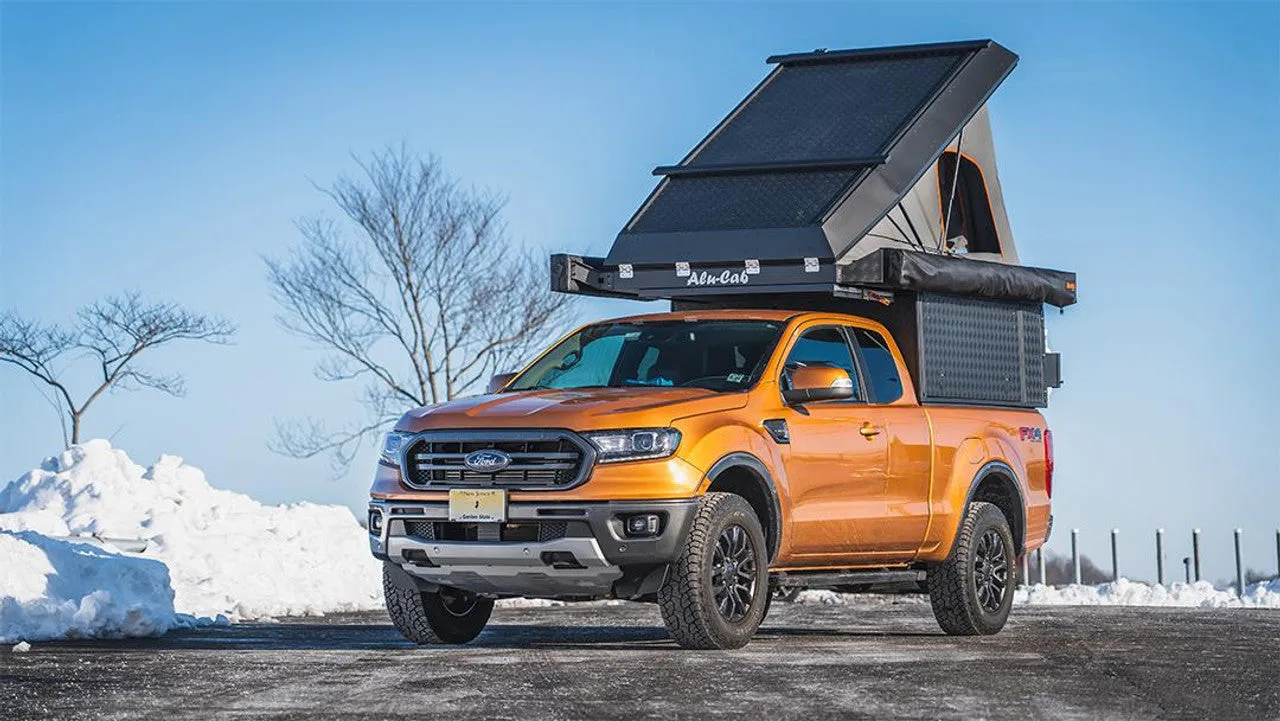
(449, 615)
(972, 591)
(718, 590)
(787, 594)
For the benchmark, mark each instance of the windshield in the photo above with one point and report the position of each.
(719, 355)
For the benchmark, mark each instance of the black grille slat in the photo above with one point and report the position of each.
(421, 529)
(437, 461)
(552, 530)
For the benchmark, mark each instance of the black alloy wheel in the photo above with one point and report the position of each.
(990, 571)
(457, 602)
(733, 574)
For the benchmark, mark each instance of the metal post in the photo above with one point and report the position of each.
(1277, 553)
(1195, 551)
(1186, 567)
(1026, 569)
(1160, 556)
(1075, 555)
(1239, 566)
(1115, 555)
(1044, 576)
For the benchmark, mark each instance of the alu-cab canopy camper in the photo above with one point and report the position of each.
(860, 181)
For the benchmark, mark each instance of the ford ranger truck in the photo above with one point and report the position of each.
(703, 460)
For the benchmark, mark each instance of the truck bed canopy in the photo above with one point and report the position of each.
(851, 173)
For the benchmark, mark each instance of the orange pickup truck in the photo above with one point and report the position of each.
(697, 459)
(845, 395)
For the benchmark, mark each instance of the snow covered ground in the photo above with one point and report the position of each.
(209, 551)
(1124, 592)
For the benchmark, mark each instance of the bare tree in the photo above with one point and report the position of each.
(418, 292)
(114, 332)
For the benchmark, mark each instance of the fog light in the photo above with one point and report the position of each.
(643, 524)
(375, 522)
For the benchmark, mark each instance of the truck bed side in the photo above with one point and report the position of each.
(975, 451)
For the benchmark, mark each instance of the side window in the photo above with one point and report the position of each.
(821, 347)
(881, 370)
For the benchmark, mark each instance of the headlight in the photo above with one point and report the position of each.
(634, 445)
(391, 447)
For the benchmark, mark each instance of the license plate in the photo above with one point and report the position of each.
(478, 505)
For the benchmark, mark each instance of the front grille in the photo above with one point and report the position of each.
(547, 460)
(422, 529)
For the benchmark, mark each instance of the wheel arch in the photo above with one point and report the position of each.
(997, 483)
(747, 476)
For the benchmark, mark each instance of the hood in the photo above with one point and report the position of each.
(580, 410)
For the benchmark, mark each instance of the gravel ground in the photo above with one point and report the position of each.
(600, 662)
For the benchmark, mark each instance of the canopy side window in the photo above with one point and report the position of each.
(970, 227)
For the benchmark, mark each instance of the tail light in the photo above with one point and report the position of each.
(1048, 462)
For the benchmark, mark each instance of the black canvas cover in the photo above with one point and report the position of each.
(890, 268)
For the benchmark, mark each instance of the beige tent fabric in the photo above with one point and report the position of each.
(918, 218)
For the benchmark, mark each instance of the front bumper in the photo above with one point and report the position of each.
(594, 558)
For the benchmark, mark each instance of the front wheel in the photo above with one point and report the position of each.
(972, 591)
(449, 615)
(718, 590)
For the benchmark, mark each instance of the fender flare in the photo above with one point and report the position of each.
(741, 459)
(990, 468)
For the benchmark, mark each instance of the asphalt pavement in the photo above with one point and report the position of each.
(616, 662)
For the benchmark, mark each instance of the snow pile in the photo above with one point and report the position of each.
(226, 553)
(819, 597)
(1124, 592)
(60, 589)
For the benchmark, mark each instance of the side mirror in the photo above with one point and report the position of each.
(500, 381)
(818, 383)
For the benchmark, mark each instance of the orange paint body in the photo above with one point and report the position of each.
(859, 484)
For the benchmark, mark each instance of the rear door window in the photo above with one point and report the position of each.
(881, 371)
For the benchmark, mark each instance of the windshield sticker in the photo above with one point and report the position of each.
(735, 378)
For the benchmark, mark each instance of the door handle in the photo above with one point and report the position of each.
(869, 431)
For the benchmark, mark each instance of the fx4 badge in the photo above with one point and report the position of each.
(1027, 433)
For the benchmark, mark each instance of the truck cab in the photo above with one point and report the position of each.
(834, 401)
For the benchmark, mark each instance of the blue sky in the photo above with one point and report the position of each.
(166, 147)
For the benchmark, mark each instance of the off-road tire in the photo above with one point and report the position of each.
(424, 618)
(687, 600)
(953, 586)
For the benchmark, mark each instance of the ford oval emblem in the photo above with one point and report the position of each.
(488, 460)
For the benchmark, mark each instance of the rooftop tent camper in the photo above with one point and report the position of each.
(848, 180)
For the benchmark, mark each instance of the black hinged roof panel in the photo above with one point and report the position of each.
(815, 155)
